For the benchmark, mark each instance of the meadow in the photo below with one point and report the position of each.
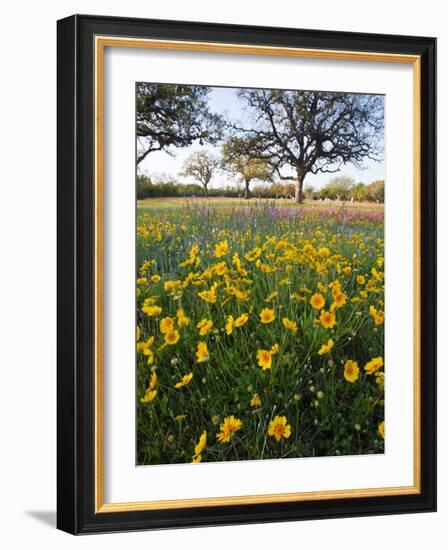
(260, 330)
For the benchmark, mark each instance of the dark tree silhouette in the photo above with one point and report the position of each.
(312, 132)
(173, 115)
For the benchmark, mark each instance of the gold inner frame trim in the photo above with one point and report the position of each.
(101, 42)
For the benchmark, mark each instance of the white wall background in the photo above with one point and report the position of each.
(27, 289)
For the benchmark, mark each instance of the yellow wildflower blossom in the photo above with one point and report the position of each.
(185, 380)
(202, 352)
(172, 337)
(373, 365)
(166, 324)
(200, 446)
(327, 319)
(204, 326)
(152, 311)
(317, 301)
(228, 428)
(255, 401)
(221, 249)
(290, 325)
(149, 395)
(182, 319)
(351, 371)
(264, 357)
(267, 315)
(279, 427)
(241, 320)
(208, 296)
(326, 348)
(229, 324)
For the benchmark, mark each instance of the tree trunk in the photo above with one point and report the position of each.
(206, 191)
(247, 191)
(298, 198)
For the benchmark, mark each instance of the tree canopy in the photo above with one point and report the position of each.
(237, 159)
(201, 166)
(173, 115)
(311, 132)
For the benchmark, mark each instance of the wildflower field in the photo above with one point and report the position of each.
(260, 332)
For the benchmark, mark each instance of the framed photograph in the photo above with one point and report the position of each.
(246, 267)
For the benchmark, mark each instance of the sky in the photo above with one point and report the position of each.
(225, 101)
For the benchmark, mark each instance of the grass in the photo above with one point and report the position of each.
(263, 389)
(220, 202)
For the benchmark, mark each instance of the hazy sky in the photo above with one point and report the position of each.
(225, 100)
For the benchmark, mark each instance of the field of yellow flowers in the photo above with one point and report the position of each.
(260, 333)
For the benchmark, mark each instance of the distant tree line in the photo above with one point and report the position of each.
(339, 188)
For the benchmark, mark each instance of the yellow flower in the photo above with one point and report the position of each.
(290, 325)
(171, 286)
(361, 280)
(182, 319)
(378, 315)
(166, 325)
(340, 299)
(255, 401)
(275, 349)
(220, 269)
(264, 359)
(373, 365)
(253, 254)
(153, 381)
(142, 281)
(228, 428)
(150, 355)
(317, 301)
(229, 324)
(138, 333)
(267, 315)
(379, 379)
(149, 395)
(381, 429)
(197, 457)
(241, 320)
(202, 352)
(185, 380)
(271, 296)
(347, 270)
(379, 318)
(204, 326)
(326, 348)
(172, 337)
(221, 249)
(351, 371)
(327, 319)
(279, 428)
(155, 278)
(180, 417)
(144, 346)
(208, 296)
(152, 311)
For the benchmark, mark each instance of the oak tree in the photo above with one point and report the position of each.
(238, 160)
(173, 115)
(201, 166)
(310, 132)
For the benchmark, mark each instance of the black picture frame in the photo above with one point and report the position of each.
(76, 264)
